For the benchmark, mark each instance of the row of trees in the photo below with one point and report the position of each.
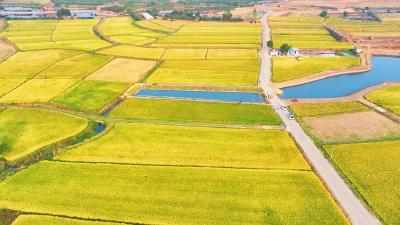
(284, 48)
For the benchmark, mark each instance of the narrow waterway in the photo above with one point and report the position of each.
(384, 69)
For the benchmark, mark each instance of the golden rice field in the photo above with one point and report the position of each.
(303, 32)
(388, 97)
(372, 169)
(289, 68)
(50, 34)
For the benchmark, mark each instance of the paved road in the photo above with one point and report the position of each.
(353, 207)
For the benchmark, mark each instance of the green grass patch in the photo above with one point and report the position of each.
(171, 195)
(328, 108)
(196, 112)
(372, 168)
(289, 68)
(210, 72)
(90, 95)
(388, 97)
(24, 130)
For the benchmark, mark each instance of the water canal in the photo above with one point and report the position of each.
(384, 69)
(219, 96)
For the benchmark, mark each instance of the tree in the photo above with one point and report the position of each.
(324, 14)
(345, 14)
(270, 44)
(227, 16)
(285, 48)
(63, 12)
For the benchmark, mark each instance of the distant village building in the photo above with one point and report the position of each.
(165, 12)
(83, 14)
(46, 11)
(294, 52)
(275, 52)
(147, 16)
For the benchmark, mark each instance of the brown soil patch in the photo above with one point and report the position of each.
(358, 126)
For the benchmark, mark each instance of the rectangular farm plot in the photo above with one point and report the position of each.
(327, 108)
(90, 95)
(198, 195)
(184, 53)
(123, 70)
(53, 220)
(38, 90)
(75, 67)
(388, 97)
(133, 40)
(16, 65)
(373, 170)
(210, 72)
(359, 126)
(232, 54)
(134, 52)
(192, 146)
(289, 68)
(195, 112)
(7, 85)
(24, 130)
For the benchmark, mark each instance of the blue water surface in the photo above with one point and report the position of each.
(384, 69)
(203, 95)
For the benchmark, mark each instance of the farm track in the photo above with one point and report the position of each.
(6, 50)
(352, 206)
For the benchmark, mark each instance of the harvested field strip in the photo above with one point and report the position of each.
(352, 127)
(289, 68)
(388, 97)
(52, 220)
(372, 168)
(329, 108)
(6, 50)
(167, 195)
(24, 130)
(196, 112)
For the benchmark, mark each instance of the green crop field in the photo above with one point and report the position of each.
(289, 68)
(192, 146)
(372, 168)
(329, 108)
(134, 52)
(303, 32)
(24, 130)
(210, 72)
(51, 220)
(195, 112)
(388, 97)
(90, 95)
(199, 195)
(43, 34)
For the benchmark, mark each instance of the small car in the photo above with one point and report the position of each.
(291, 116)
